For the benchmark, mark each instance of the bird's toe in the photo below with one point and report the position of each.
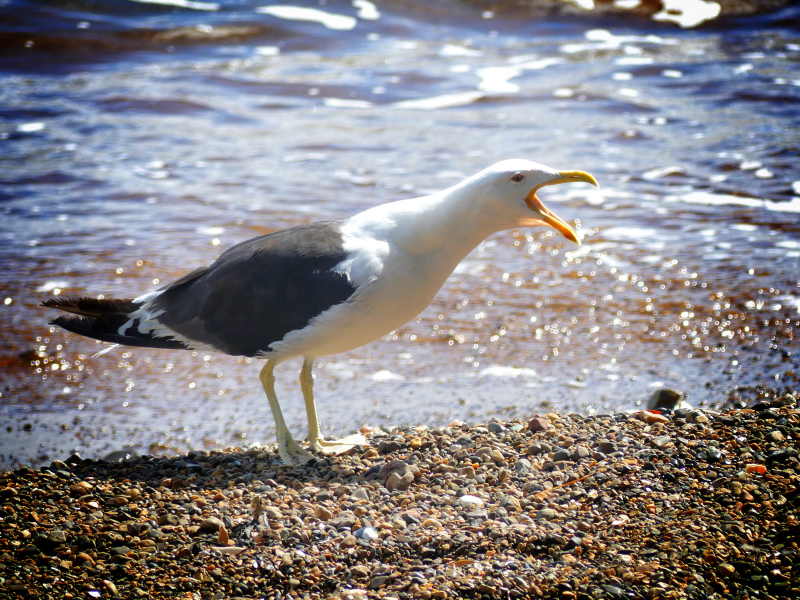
(339, 446)
(293, 454)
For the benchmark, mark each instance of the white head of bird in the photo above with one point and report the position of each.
(500, 197)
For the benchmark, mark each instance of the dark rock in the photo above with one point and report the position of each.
(665, 398)
(57, 537)
(561, 455)
(607, 447)
(522, 466)
(546, 514)
(378, 581)
(782, 455)
(387, 446)
(480, 514)
(495, 427)
(346, 519)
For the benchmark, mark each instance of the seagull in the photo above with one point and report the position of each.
(326, 287)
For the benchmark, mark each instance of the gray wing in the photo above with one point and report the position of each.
(259, 290)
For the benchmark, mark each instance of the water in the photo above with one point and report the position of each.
(140, 140)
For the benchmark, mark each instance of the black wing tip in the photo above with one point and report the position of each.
(58, 301)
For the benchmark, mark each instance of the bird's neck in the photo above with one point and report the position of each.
(453, 222)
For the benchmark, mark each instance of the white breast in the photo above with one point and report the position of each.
(393, 287)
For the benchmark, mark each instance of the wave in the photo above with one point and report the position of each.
(129, 25)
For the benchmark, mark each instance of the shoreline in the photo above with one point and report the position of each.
(691, 505)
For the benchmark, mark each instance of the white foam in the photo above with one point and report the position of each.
(687, 13)
(192, 4)
(213, 231)
(30, 127)
(453, 50)
(49, 286)
(790, 301)
(437, 102)
(346, 103)
(366, 10)
(296, 13)
(792, 205)
(634, 60)
(386, 376)
(267, 50)
(602, 39)
(496, 79)
(582, 251)
(503, 371)
(661, 172)
(700, 197)
(629, 233)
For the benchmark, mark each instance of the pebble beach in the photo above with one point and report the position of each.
(669, 504)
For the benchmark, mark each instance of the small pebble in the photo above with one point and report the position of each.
(211, 524)
(470, 502)
(539, 424)
(577, 510)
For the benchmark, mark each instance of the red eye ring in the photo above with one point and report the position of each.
(517, 177)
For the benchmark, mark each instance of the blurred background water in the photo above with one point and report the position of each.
(139, 139)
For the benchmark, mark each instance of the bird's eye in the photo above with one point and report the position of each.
(517, 177)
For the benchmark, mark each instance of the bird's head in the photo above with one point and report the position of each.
(512, 187)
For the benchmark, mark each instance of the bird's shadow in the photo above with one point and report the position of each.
(188, 488)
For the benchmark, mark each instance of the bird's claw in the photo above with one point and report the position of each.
(293, 454)
(323, 446)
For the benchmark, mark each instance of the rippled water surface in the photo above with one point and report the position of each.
(138, 140)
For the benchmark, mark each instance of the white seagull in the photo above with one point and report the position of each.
(326, 287)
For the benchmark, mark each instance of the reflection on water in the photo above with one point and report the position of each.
(139, 142)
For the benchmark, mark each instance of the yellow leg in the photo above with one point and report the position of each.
(289, 450)
(315, 439)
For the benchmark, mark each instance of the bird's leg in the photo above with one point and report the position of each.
(315, 439)
(290, 451)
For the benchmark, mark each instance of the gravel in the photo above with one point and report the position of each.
(692, 504)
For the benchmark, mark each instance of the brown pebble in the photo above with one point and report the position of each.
(322, 513)
(467, 472)
(273, 513)
(457, 535)
(652, 418)
(223, 536)
(776, 437)
(82, 558)
(211, 524)
(725, 569)
(398, 482)
(538, 424)
(111, 587)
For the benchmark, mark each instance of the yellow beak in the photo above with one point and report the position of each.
(550, 218)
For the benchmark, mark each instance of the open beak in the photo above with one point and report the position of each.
(550, 218)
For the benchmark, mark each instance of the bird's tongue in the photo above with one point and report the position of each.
(550, 218)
